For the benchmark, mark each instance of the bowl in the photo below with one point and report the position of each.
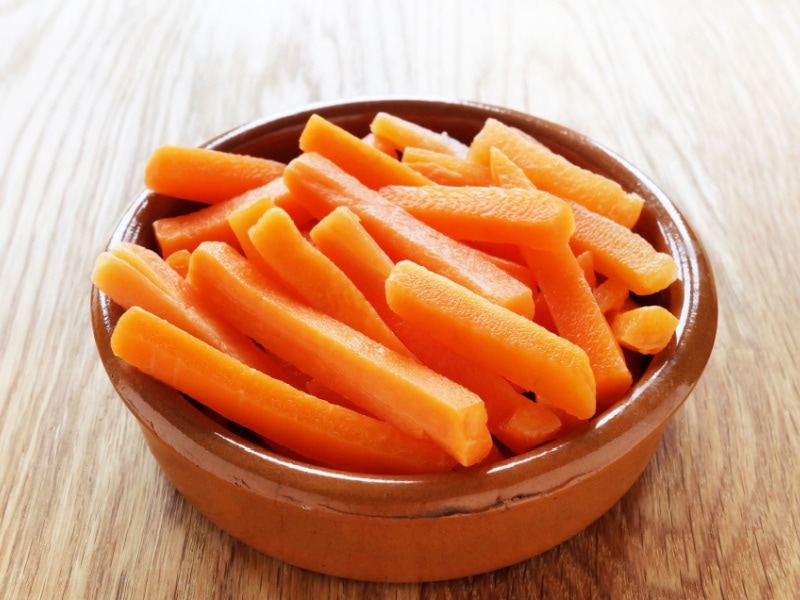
(431, 527)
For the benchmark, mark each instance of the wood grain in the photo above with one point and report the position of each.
(700, 95)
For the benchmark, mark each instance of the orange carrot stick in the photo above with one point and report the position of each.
(366, 163)
(644, 329)
(455, 170)
(553, 173)
(505, 173)
(493, 337)
(611, 294)
(403, 134)
(322, 186)
(387, 384)
(316, 278)
(489, 214)
(586, 261)
(321, 431)
(578, 319)
(207, 176)
(179, 261)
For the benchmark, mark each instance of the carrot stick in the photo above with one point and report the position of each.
(586, 261)
(381, 143)
(322, 186)
(516, 421)
(456, 170)
(207, 176)
(505, 173)
(366, 163)
(179, 261)
(610, 294)
(497, 339)
(387, 384)
(578, 319)
(321, 431)
(621, 253)
(553, 173)
(488, 214)
(316, 278)
(644, 329)
(403, 134)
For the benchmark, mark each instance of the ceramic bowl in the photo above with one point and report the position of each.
(422, 528)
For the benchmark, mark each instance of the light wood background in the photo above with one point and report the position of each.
(702, 95)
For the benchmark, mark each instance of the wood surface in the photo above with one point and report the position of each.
(701, 95)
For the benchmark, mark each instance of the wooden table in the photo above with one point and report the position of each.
(703, 96)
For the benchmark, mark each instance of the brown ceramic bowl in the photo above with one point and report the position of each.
(425, 527)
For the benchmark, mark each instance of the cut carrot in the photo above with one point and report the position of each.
(644, 329)
(207, 176)
(611, 294)
(387, 384)
(366, 163)
(586, 261)
(185, 232)
(403, 134)
(516, 348)
(455, 170)
(505, 173)
(382, 144)
(179, 261)
(553, 173)
(316, 278)
(621, 253)
(283, 198)
(322, 186)
(321, 431)
(134, 276)
(578, 319)
(488, 214)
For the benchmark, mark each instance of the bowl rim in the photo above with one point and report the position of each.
(549, 466)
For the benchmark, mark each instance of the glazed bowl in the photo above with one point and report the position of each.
(431, 527)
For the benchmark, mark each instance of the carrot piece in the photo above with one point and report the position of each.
(621, 253)
(578, 319)
(489, 214)
(364, 162)
(455, 170)
(611, 294)
(516, 348)
(505, 172)
(322, 186)
(316, 278)
(403, 134)
(553, 173)
(645, 329)
(179, 261)
(381, 143)
(516, 421)
(387, 384)
(134, 276)
(283, 198)
(207, 176)
(586, 261)
(321, 431)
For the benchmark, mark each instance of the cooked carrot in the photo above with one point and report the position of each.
(316, 277)
(578, 319)
(207, 176)
(509, 252)
(488, 214)
(516, 348)
(322, 186)
(586, 261)
(403, 134)
(553, 173)
(455, 170)
(179, 261)
(387, 384)
(505, 173)
(644, 329)
(621, 253)
(283, 198)
(366, 163)
(134, 276)
(513, 419)
(610, 294)
(319, 430)
(381, 143)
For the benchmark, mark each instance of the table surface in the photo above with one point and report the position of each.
(700, 95)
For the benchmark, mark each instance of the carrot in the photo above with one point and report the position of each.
(316, 429)
(284, 199)
(586, 261)
(553, 173)
(578, 319)
(179, 261)
(322, 186)
(488, 214)
(366, 163)
(611, 294)
(391, 386)
(380, 143)
(516, 421)
(316, 278)
(621, 253)
(446, 169)
(207, 176)
(185, 232)
(505, 173)
(403, 134)
(497, 339)
(644, 329)
(134, 276)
